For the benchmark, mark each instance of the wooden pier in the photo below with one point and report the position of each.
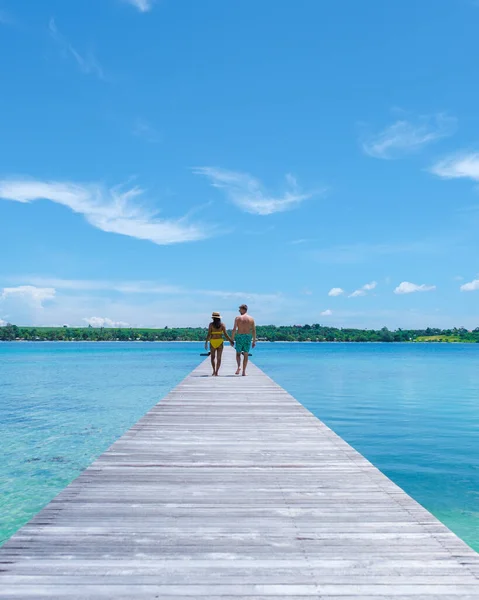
(229, 488)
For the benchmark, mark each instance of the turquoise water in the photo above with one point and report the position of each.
(412, 409)
(63, 404)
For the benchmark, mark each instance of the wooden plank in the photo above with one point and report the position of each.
(230, 488)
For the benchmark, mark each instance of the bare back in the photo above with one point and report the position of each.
(244, 324)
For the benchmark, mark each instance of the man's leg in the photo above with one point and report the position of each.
(245, 362)
(238, 362)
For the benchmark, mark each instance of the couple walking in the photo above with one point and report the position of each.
(243, 334)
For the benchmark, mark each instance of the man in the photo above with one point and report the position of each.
(244, 332)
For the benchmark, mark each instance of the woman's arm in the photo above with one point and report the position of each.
(208, 337)
(230, 340)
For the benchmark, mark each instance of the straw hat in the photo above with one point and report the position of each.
(216, 315)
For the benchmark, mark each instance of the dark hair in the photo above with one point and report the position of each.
(244, 307)
(216, 322)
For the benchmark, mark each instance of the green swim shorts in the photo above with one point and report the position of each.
(243, 342)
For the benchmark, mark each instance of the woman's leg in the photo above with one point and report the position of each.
(219, 353)
(213, 356)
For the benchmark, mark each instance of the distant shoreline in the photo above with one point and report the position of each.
(202, 341)
(314, 333)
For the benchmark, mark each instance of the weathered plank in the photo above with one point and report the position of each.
(230, 488)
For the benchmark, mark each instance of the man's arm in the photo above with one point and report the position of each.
(254, 334)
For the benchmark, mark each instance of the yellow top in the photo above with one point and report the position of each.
(216, 342)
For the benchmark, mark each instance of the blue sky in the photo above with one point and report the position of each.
(318, 160)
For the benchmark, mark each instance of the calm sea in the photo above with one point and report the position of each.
(412, 409)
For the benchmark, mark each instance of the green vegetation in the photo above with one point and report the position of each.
(471, 338)
(269, 333)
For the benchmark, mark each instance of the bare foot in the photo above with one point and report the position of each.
(244, 374)
(237, 371)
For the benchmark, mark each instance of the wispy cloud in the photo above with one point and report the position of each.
(364, 289)
(124, 287)
(87, 63)
(406, 136)
(357, 253)
(141, 5)
(248, 193)
(43, 300)
(139, 287)
(239, 296)
(407, 287)
(104, 322)
(471, 286)
(326, 313)
(145, 130)
(336, 291)
(114, 210)
(300, 241)
(464, 165)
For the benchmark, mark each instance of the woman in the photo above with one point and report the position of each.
(216, 331)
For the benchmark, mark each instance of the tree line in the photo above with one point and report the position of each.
(268, 333)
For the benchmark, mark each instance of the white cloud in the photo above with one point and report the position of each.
(406, 136)
(357, 293)
(88, 64)
(471, 286)
(465, 165)
(104, 322)
(141, 5)
(326, 313)
(25, 303)
(335, 291)
(248, 193)
(111, 210)
(2, 323)
(31, 293)
(363, 291)
(408, 288)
